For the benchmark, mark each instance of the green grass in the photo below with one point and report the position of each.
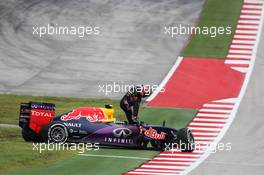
(79, 165)
(215, 13)
(173, 117)
(18, 158)
(16, 153)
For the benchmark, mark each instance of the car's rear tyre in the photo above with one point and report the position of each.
(30, 136)
(186, 140)
(56, 133)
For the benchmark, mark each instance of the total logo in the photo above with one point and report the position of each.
(152, 133)
(41, 113)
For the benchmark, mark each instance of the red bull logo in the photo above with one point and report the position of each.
(152, 133)
(91, 114)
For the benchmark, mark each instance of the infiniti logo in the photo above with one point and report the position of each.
(122, 132)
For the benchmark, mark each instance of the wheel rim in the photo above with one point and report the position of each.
(58, 134)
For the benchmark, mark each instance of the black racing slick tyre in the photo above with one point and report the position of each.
(30, 136)
(186, 140)
(55, 133)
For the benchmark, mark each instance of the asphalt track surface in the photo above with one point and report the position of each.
(130, 49)
(245, 133)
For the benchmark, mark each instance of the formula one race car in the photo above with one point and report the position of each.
(96, 125)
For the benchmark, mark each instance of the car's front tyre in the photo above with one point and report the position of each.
(186, 140)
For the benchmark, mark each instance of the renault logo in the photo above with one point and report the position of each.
(122, 132)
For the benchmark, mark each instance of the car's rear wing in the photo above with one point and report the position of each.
(34, 115)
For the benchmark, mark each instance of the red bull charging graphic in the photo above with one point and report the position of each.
(91, 114)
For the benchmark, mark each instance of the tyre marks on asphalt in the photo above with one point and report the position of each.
(214, 117)
(242, 47)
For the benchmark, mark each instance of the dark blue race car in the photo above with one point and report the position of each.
(96, 125)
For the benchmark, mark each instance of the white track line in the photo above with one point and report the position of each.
(227, 100)
(240, 69)
(249, 11)
(238, 56)
(245, 36)
(250, 16)
(247, 27)
(163, 162)
(242, 41)
(212, 115)
(183, 155)
(242, 21)
(147, 173)
(155, 170)
(204, 138)
(231, 51)
(214, 110)
(204, 124)
(246, 30)
(233, 46)
(177, 151)
(171, 159)
(218, 105)
(209, 120)
(205, 134)
(251, 6)
(237, 61)
(162, 166)
(204, 129)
